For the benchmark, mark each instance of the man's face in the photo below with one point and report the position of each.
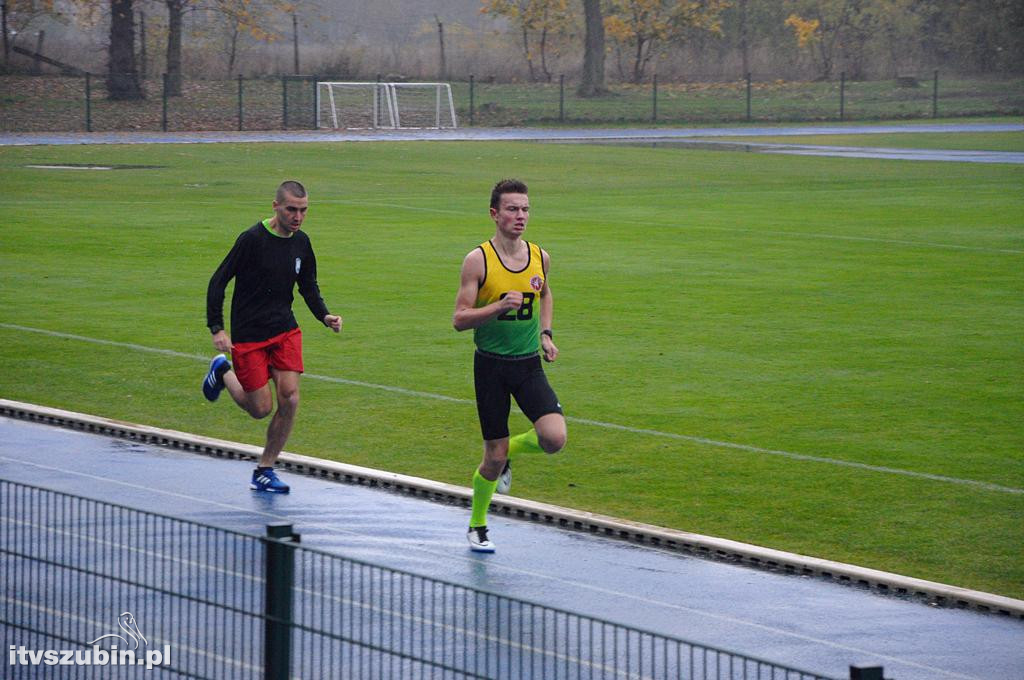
(291, 212)
(512, 214)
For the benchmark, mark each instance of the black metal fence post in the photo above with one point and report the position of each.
(239, 102)
(561, 98)
(935, 94)
(163, 118)
(284, 102)
(654, 99)
(842, 96)
(316, 103)
(748, 96)
(88, 102)
(471, 93)
(279, 565)
(867, 673)
(382, 97)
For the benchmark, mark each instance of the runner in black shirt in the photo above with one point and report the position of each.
(267, 260)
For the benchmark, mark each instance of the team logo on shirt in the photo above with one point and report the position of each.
(536, 283)
(298, 264)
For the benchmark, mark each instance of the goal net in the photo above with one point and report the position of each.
(396, 106)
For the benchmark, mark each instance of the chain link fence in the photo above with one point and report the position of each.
(81, 103)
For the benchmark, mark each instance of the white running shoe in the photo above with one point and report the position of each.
(505, 479)
(478, 541)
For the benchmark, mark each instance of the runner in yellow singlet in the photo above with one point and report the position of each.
(505, 298)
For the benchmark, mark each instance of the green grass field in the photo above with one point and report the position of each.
(778, 350)
(962, 141)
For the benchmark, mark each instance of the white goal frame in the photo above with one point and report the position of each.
(378, 93)
(386, 109)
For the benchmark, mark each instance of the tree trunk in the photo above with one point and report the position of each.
(592, 79)
(544, 55)
(526, 53)
(123, 76)
(744, 38)
(232, 50)
(175, 10)
(7, 44)
(639, 61)
(443, 74)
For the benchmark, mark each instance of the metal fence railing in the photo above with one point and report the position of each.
(71, 103)
(88, 585)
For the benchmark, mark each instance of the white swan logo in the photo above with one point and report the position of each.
(126, 622)
(19, 655)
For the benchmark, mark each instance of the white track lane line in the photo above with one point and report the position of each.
(881, 469)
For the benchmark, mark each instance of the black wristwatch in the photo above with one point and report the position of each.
(216, 329)
(547, 332)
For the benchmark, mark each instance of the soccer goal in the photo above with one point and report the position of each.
(423, 105)
(354, 106)
(396, 106)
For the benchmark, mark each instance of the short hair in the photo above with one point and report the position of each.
(506, 186)
(290, 187)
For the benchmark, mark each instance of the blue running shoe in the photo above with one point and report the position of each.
(265, 479)
(213, 383)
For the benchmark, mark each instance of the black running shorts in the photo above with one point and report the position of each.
(497, 378)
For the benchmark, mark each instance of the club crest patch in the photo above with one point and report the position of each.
(298, 264)
(536, 283)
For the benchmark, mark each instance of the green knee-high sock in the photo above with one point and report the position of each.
(524, 443)
(483, 491)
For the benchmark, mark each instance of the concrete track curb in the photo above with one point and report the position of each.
(696, 544)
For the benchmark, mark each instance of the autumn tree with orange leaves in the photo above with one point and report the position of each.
(833, 30)
(540, 23)
(648, 26)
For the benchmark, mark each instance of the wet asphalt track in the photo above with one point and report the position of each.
(804, 622)
(569, 135)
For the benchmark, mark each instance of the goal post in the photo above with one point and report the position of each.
(353, 106)
(423, 105)
(389, 105)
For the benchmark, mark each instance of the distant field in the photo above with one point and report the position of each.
(965, 141)
(814, 354)
(770, 100)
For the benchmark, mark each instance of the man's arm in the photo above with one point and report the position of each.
(215, 294)
(467, 315)
(309, 289)
(547, 313)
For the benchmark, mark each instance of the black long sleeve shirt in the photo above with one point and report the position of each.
(265, 267)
